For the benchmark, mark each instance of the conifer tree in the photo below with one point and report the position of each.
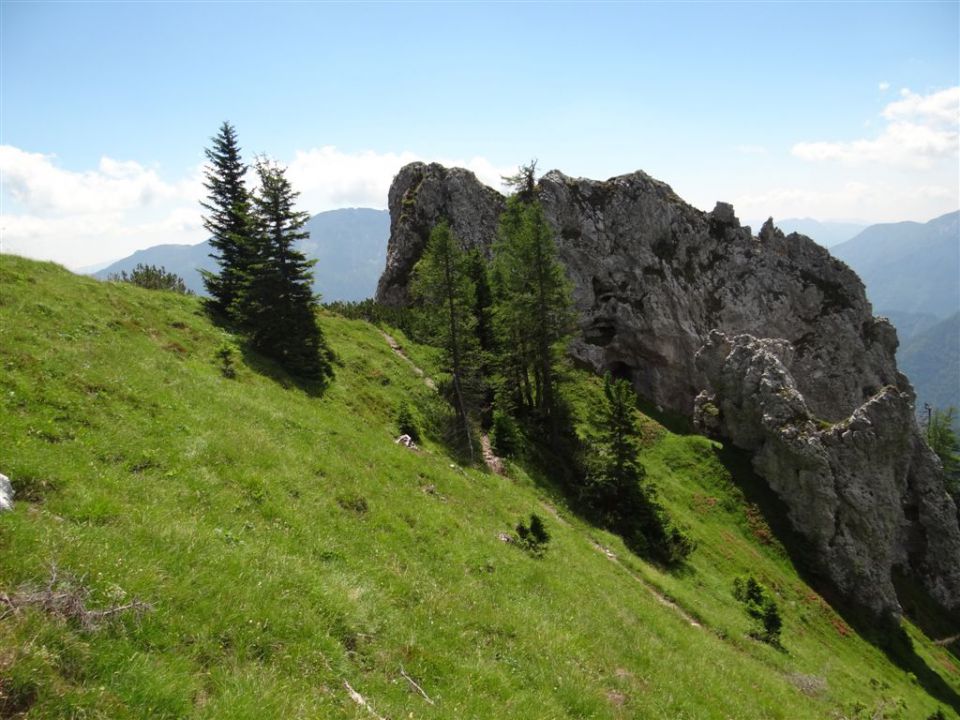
(228, 221)
(613, 486)
(615, 490)
(532, 309)
(277, 303)
(443, 285)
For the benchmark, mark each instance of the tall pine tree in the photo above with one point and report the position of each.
(442, 284)
(532, 309)
(277, 303)
(228, 221)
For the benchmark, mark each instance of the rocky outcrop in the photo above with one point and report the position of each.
(422, 195)
(653, 277)
(864, 492)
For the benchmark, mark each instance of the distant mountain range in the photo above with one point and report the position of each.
(826, 234)
(931, 359)
(349, 245)
(908, 266)
(912, 274)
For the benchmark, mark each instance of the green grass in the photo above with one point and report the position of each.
(289, 546)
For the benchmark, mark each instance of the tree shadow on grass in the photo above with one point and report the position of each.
(677, 423)
(275, 371)
(886, 634)
(269, 368)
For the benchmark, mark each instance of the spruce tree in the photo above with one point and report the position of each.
(228, 221)
(532, 309)
(442, 284)
(277, 304)
(615, 490)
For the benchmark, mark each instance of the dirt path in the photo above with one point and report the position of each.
(398, 349)
(660, 597)
(553, 511)
(494, 463)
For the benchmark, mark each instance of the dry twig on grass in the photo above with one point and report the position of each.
(415, 685)
(361, 701)
(67, 599)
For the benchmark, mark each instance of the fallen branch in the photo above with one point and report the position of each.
(414, 683)
(947, 640)
(67, 599)
(361, 701)
(138, 606)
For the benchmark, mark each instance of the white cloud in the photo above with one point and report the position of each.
(883, 86)
(874, 201)
(328, 178)
(939, 109)
(34, 181)
(921, 131)
(83, 218)
(80, 218)
(751, 149)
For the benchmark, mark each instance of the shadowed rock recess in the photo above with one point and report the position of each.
(765, 340)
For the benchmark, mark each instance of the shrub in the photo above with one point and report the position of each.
(225, 355)
(152, 278)
(373, 312)
(760, 605)
(406, 423)
(533, 538)
(505, 436)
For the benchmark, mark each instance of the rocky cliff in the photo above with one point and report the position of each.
(768, 337)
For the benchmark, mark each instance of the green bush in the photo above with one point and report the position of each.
(505, 436)
(533, 538)
(152, 278)
(225, 355)
(761, 606)
(406, 423)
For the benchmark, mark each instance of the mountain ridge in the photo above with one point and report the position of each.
(909, 266)
(349, 245)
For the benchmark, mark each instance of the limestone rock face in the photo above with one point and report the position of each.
(865, 492)
(653, 277)
(422, 195)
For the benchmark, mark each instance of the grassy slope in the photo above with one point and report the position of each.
(234, 507)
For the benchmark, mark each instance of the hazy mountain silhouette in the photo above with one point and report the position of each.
(349, 245)
(908, 266)
(826, 234)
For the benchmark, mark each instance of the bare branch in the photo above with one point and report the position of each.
(66, 599)
(361, 701)
(415, 685)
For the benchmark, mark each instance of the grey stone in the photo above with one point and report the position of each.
(421, 195)
(6, 493)
(653, 278)
(864, 492)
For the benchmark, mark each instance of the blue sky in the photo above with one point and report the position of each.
(829, 110)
